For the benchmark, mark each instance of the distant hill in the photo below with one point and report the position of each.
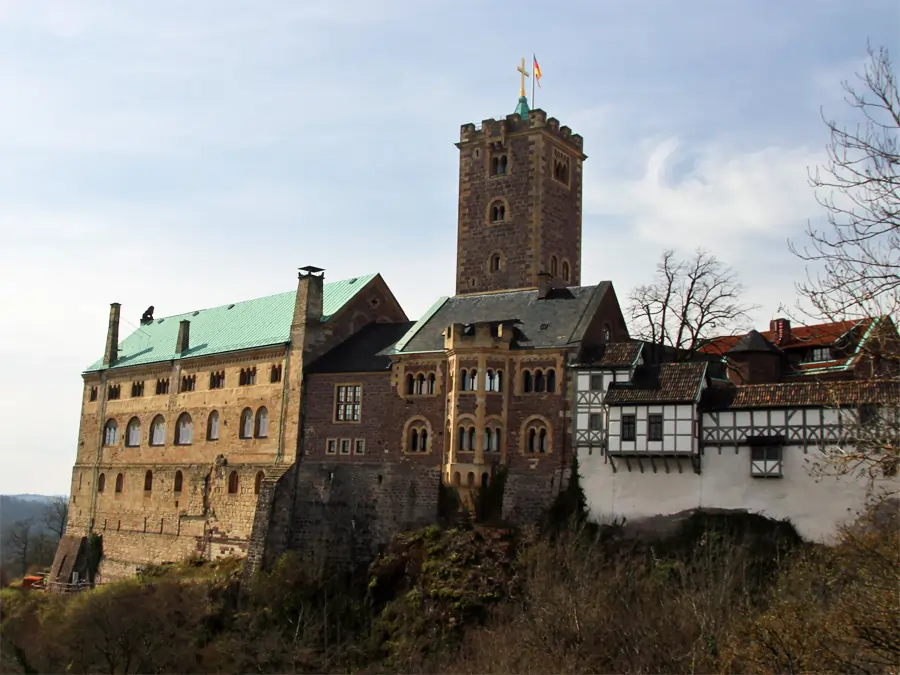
(32, 498)
(22, 507)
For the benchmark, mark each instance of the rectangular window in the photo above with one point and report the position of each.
(162, 386)
(359, 446)
(868, 413)
(93, 396)
(331, 446)
(820, 354)
(345, 446)
(114, 391)
(596, 421)
(654, 427)
(217, 379)
(349, 399)
(596, 383)
(137, 389)
(628, 427)
(766, 461)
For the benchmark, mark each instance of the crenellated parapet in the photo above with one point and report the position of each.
(496, 131)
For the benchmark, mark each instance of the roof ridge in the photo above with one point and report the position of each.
(367, 277)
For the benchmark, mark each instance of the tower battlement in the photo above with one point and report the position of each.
(492, 130)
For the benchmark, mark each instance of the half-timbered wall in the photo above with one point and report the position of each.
(589, 402)
(679, 429)
(815, 504)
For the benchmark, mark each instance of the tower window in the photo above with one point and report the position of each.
(554, 266)
(499, 164)
(496, 262)
(498, 212)
(566, 274)
(560, 167)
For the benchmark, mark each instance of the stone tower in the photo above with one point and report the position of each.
(519, 203)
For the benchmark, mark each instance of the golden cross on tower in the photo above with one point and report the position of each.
(525, 74)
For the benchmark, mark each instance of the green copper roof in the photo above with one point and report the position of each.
(522, 109)
(241, 325)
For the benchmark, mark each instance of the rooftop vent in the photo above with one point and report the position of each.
(231, 305)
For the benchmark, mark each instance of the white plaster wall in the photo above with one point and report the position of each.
(816, 506)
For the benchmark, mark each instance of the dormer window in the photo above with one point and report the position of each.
(499, 164)
(819, 354)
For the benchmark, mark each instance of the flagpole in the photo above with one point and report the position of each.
(533, 78)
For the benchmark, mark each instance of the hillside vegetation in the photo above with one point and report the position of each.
(718, 593)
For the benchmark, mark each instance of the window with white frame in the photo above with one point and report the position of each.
(133, 433)
(158, 431)
(184, 430)
(347, 405)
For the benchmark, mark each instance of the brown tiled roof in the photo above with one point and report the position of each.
(666, 383)
(788, 394)
(819, 335)
(620, 354)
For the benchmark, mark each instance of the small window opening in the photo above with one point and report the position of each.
(148, 481)
(233, 483)
(498, 212)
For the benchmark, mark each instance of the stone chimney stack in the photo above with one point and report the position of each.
(782, 330)
(545, 285)
(112, 335)
(184, 337)
(309, 303)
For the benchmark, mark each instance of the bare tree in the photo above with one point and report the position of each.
(18, 543)
(856, 258)
(689, 302)
(55, 515)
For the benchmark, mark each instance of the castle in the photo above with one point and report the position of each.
(322, 419)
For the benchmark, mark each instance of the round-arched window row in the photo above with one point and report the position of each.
(538, 381)
(253, 425)
(421, 384)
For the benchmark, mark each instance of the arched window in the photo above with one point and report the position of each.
(489, 380)
(158, 431)
(110, 432)
(554, 265)
(551, 380)
(539, 381)
(179, 481)
(496, 443)
(472, 438)
(532, 439)
(537, 437)
(470, 479)
(410, 384)
(498, 381)
(212, 426)
(498, 212)
(527, 384)
(120, 483)
(431, 383)
(542, 440)
(233, 483)
(133, 433)
(420, 383)
(148, 481)
(473, 380)
(414, 440)
(488, 440)
(184, 430)
(463, 380)
(423, 441)
(463, 442)
(101, 482)
(262, 423)
(495, 262)
(257, 482)
(246, 430)
(456, 478)
(565, 270)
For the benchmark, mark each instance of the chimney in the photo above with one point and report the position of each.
(308, 304)
(782, 331)
(545, 285)
(112, 335)
(184, 337)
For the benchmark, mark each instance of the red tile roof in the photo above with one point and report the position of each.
(819, 335)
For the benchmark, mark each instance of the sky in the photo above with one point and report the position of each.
(188, 155)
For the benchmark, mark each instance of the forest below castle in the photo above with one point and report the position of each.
(695, 592)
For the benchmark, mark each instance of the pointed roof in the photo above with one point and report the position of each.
(250, 324)
(522, 108)
(754, 342)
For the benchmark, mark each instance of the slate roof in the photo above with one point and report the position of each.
(665, 383)
(556, 321)
(242, 325)
(614, 355)
(725, 396)
(361, 352)
(754, 342)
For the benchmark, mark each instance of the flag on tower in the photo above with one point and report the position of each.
(536, 70)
